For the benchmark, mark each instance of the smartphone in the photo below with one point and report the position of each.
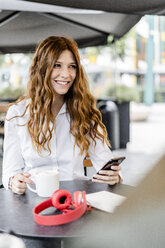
(113, 161)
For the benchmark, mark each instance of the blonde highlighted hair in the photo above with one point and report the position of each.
(86, 124)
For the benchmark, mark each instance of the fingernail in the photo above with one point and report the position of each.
(26, 174)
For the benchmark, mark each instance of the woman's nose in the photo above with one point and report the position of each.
(64, 72)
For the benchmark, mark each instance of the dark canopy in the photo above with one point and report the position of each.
(133, 7)
(23, 24)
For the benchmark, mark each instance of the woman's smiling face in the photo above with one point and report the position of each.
(64, 73)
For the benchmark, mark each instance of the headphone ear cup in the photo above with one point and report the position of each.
(78, 198)
(61, 199)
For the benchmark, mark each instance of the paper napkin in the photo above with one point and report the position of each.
(105, 200)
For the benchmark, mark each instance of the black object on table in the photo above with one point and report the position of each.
(16, 212)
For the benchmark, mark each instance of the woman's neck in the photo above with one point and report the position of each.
(59, 101)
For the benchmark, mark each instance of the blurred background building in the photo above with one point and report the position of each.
(122, 63)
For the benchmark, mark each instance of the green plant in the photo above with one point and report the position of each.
(119, 46)
(12, 93)
(123, 93)
(159, 95)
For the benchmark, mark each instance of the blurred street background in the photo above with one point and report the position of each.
(146, 146)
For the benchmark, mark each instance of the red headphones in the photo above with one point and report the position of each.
(62, 200)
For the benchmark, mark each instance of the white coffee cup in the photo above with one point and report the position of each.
(46, 182)
(10, 241)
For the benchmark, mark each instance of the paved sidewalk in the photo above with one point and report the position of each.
(146, 146)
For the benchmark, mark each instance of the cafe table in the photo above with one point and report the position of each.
(16, 213)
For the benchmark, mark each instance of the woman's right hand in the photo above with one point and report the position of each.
(18, 183)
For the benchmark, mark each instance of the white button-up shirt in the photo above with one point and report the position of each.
(19, 155)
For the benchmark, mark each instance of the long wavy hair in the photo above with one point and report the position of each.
(85, 119)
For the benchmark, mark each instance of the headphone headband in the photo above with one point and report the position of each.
(61, 199)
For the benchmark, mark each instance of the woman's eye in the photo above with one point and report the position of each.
(57, 66)
(73, 66)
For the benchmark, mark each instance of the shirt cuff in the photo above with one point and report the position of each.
(9, 183)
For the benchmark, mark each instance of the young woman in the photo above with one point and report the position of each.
(56, 123)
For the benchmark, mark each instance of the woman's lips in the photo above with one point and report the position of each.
(61, 82)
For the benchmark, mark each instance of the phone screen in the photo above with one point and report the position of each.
(113, 161)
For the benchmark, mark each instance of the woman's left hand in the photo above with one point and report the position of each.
(110, 177)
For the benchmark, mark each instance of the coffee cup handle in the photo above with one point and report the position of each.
(33, 190)
(30, 188)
